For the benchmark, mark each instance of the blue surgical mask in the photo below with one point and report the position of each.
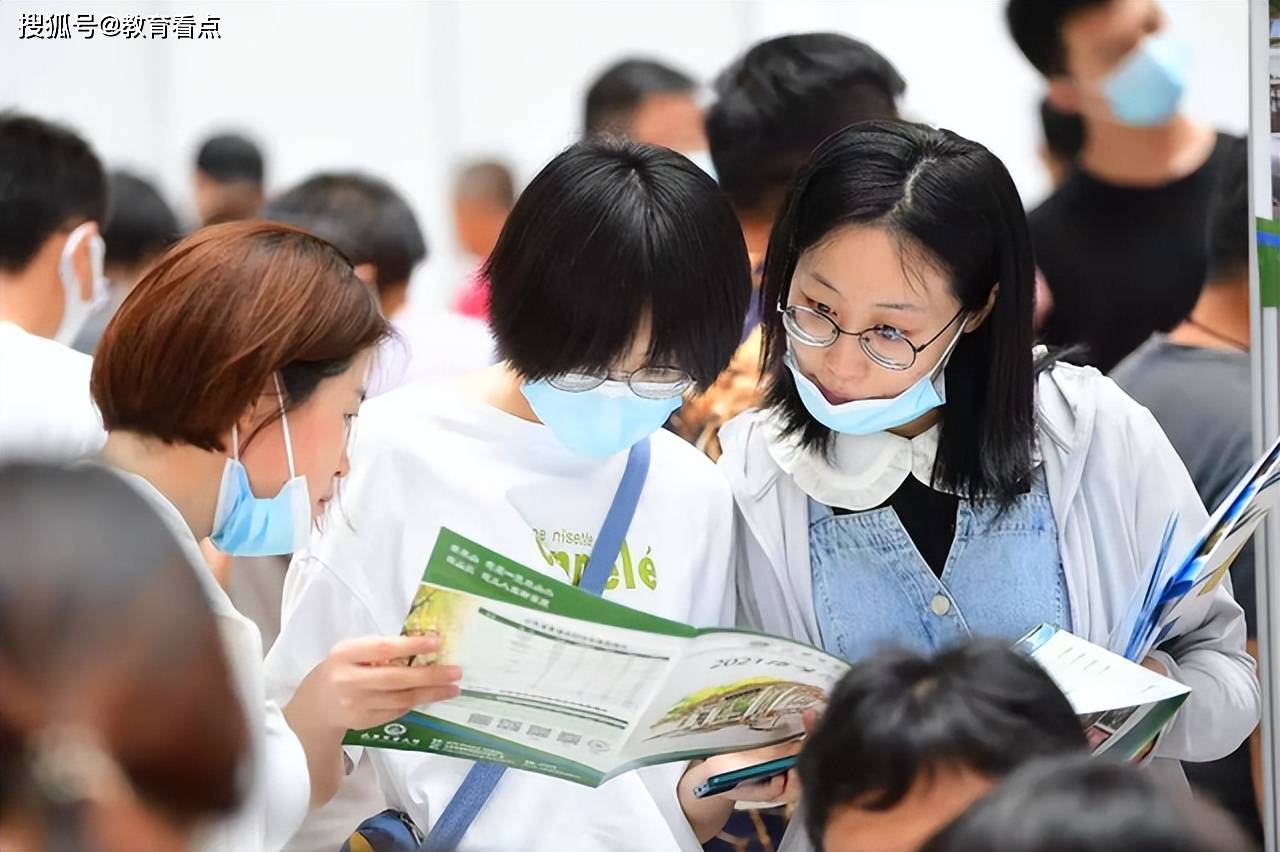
(869, 416)
(599, 422)
(1144, 91)
(245, 525)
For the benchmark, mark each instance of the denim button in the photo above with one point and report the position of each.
(941, 605)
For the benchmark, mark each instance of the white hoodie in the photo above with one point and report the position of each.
(1113, 479)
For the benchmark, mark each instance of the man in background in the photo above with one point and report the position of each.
(1120, 241)
(53, 195)
(647, 101)
(229, 179)
(139, 227)
(773, 106)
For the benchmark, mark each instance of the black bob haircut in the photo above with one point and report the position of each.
(615, 94)
(1036, 27)
(900, 717)
(949, 203)
(229, 157)
(608, 232)
(777, 102)
(140, 225)
(1228, 219)
(1083, 804)
(365, 218)
(50, 180)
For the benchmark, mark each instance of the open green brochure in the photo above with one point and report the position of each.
(563, 683)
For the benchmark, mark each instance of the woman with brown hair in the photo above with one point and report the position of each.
(119, 723)
(228, 384)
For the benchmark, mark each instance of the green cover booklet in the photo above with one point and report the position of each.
(564, 683)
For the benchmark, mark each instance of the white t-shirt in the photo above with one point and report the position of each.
(280, 790)
(46, 412)
(427, 456)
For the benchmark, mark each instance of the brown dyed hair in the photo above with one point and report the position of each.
(202, 334)
(104, 626)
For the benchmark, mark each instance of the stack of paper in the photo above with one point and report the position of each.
(1179, 591)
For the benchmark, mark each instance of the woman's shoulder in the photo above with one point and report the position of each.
(675, 458)
(1078, 405)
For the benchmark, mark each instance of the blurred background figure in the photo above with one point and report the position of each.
(367, 220)
(1063, 138)
(53, 195)
(119, 725)
(229, 179)
(483, 196)
(1120, 240)
(647, 101)
(140, 226)
(1078, 804)
(772, 107)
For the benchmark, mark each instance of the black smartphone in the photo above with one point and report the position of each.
(726, 781)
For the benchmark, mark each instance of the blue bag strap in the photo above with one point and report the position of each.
(483, 776)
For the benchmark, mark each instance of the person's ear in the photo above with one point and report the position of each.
(974, 322)
(1064, 94)
(367, 272)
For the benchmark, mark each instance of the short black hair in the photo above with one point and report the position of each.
(363, 216)
(1228, 219)
(1081, 804)
(50, 179)
(777, 102)
(900, 716)
(1036, 26)
(140, 225)
(614, 95)
(229, 158)
(1063, 132)
(608, 232)
(948, 202)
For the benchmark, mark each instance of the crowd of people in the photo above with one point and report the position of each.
(878, 407)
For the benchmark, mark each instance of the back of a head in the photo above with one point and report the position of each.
(231, 158)
(900, 716)
(1228, 219)
(217, 318)
(777, 102)
(1083, 804)
(107, 647)
(140, 225)
(620, 88)
(1036, 27)
(363, 216)
(611, 233)
(487, 181)
(50, 180)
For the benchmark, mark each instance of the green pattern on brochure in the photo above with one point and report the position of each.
(563, 683)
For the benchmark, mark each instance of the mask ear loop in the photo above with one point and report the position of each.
(284, 419)
(951, 347)
(235, 442)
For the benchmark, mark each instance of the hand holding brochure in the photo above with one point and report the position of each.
(564, 683)
(1178, 592)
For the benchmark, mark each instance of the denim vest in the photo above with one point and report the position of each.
(873, 590)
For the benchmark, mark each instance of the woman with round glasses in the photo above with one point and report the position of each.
(619, 281)
(916, 477)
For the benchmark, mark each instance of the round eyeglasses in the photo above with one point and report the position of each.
(883, 344)
(646, 383)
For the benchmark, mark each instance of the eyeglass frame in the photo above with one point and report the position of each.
(609, 376)
(862, 335)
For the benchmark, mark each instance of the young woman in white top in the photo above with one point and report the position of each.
(916, 475)
(228, 383)
(620, 280)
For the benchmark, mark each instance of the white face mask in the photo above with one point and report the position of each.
(702, 159)
(77, 311)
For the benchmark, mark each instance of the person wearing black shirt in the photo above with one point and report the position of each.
(1120, 242)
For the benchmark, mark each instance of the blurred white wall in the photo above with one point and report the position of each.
(406, 90)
